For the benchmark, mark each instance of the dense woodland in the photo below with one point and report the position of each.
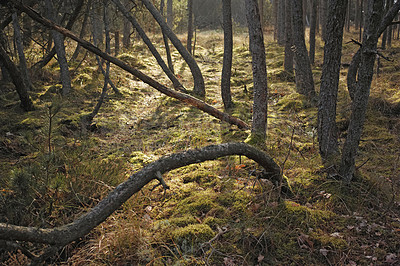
(184, 132)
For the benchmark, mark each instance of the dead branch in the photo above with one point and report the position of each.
(143, 77)
(65, 234)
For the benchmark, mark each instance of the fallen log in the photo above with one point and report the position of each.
(188, 99)
(63, 235)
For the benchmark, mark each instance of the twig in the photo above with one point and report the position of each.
(373, 52)
(358, 167)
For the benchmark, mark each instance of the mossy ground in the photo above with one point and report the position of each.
(216, 212)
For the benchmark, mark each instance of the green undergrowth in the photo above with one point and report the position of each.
(216, 212)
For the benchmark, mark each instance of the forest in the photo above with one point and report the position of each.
(214, 132)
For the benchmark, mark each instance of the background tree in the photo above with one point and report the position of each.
(303, 73)
(313, 29)
(288, 62)
(190, 25)
(257, 49)
(166, 43)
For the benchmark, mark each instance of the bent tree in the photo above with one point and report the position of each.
(62, 235)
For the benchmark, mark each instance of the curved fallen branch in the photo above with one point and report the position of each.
(143, 77)
(65, 234)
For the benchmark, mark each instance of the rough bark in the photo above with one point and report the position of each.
(83, 30)
(176, 83)
(288, 62)
(327, 130)
(190, 25)
(313, 26)
(281, 23)
(146, 79)
(65, 234)
(303, 73)
(126, 39)
(365, 74)
(18, 81)
(20, 49)
(323, 17)
(116, 42)
(199, 88)
(257, 49)
(261, 9)
(228, 49)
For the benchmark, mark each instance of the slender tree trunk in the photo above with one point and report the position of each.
(361, 20)
(89, 118)
(60, 50)
(199, 87)
(275, 17)
(257, 49)
(166, 43)
(281, 22)
(228, 49)
(327, 130)
(303, 73)
(390, 29)
(15, 74)
(176, 83)
(304, 14)
(126, 39)
(313, 25)
(170, 14)
(83, 31)
(20, 49)
(190, 25)
(348, 16)
(116, 42)
(27, 36)
(323, 17)
(357, 15)
(261, 8)
(365, 74)
(288, 63)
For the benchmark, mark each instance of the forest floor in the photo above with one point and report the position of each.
(216, 212)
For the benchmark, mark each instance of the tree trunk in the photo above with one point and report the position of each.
(20, 49)
(228, 49)
(323, 17)
(165, 38)
(190, 25)
(15, 74)
(257, 49)
(348, 16)
(357, 14)
(176, 83)
(261, 9)
(146, 79)
(281, 23)
(327, 130)
(83, 31)
(199, 88)
(62, 235)
(275, 17)
(126, 39)
(116, 42)
(313, 25)
(303, 73)
(288, 63)
(361, 20)
(365, 74)
(170, 14)
(27, 36)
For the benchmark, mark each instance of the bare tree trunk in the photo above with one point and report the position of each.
(281, 23)
(361, 20)
(60, 50)
(365, 74)
(116, 42)
(228, 49)
(176, 83)
(15, 74)
(275, 17)
(170, 14)
(288, 63)
(303, 73)
(146, 79)
(126, 39)
(190, 25)
(313, 25)
(27, 25)
(199, 88)
(323, 17)
(20, 49)
(261, 8)
(348, 16)
(165, 38)
(62, 235)
(83, 30)
(357, 14)
(327, 130)
(257, 49)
